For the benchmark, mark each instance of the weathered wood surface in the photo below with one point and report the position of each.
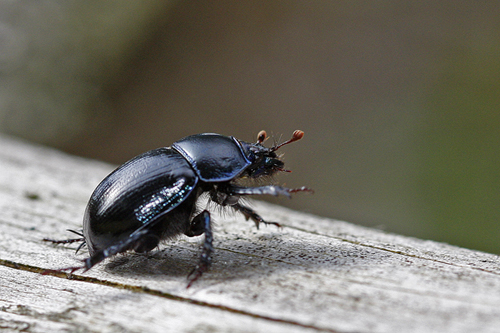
(315, 274)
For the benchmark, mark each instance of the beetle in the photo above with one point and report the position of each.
(153, 196)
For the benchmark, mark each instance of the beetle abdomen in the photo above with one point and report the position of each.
(139, 192)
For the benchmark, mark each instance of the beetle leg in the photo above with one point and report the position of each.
(64, 241)
(120, 247)
(69, 241)
(223, 198)
(100, 255)
(234, 191)
(196, 227)
(260, 190)
(251, 214)
(202, 219)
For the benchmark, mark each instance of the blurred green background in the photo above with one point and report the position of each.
(399, 100)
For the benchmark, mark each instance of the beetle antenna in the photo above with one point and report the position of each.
(296, 136)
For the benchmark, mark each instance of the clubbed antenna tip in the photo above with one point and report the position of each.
(296, 135)
(261, 137)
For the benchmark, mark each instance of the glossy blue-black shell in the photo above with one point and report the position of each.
(156, 192)
(153, 190)
(214, 157)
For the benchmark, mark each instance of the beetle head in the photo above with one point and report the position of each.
(265, 161)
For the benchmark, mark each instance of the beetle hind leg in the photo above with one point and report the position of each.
(69, 241)
(137, 241)
(132, 242)
(202, 220)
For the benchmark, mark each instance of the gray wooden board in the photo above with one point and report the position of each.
(315, 274)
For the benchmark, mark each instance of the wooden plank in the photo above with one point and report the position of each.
(315, 274)
(78, 306)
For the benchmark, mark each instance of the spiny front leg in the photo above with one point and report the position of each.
(205, 258)
(251, 214)
(261, 190)
(235, 191)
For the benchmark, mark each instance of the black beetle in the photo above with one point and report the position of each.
(153, 196)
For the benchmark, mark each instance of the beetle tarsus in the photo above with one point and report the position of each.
(69, 270)
(251, 214)
(301, 189)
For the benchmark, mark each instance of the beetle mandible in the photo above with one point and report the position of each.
(153, 196)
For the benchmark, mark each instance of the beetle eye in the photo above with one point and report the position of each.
(274, 163)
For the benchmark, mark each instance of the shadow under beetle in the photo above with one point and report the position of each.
(153, 196)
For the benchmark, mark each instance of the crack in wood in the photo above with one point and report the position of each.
(153, 292)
